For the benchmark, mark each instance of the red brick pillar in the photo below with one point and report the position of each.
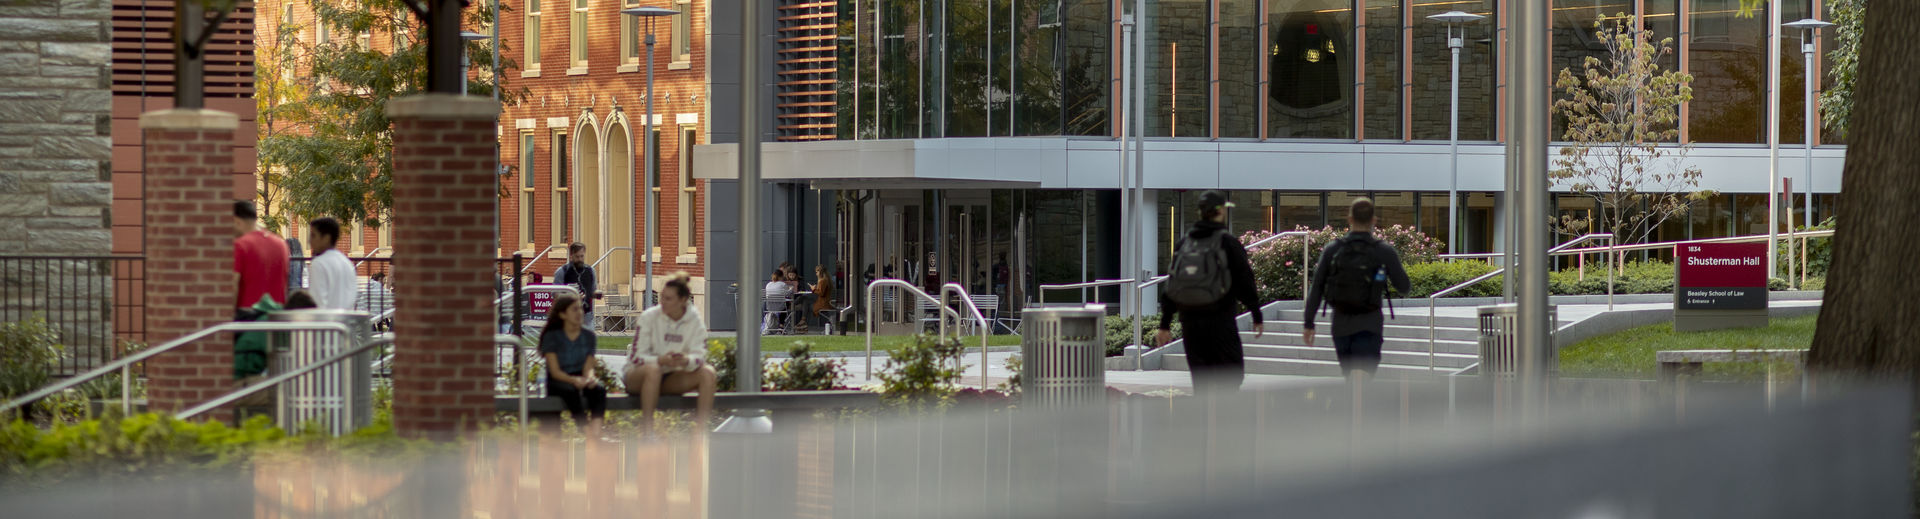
(444, 194)
(188, 156)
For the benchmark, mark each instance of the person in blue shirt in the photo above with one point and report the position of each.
(569, 348)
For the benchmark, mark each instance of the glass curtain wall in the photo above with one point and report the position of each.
(1310, 69)
(1239, 69)
(1432, 72)
(1381, 29)
(1727, 57)
(1040, 64)
(1793, 76)
(1176, 32)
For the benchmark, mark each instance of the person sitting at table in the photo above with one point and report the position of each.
(777, 296)
(669, 354)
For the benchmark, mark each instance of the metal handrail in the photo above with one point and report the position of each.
(370, 255)
(609, 252)
(985, 328)
(124, 365)
(871, 303)
(1433, 299)
(377, 341)
(537, 257)
(1087, 284)
(1828, 233)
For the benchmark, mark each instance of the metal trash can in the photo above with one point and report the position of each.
(339, 397)
(1064, 356)
(1500, 342)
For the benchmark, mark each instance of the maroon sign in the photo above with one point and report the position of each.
(1720, 276)
(538, 303)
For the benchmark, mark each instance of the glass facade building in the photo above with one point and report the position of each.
(1361, 70)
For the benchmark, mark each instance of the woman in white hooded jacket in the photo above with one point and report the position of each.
(669, 353)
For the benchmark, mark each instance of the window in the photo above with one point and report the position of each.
(526, 191)
(577, 36)
(386, 230)
(532, 39)
(689, 242)
(654, 132)
(359, 245)
(561, 191)
(321, 33)
(629, 37)
(682, 43)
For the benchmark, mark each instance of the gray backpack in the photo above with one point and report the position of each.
(1199, 275)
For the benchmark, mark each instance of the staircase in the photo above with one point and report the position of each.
(1279, 351)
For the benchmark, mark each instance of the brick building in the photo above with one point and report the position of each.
(574, 147)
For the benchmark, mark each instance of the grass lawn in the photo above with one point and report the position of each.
(1630, 353)
(850, 342)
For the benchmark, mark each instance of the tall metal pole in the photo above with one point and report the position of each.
(1806, 49)
(1139, 160)
(748, 363)
(1453, 139)
(1773, 139)
(653, 224)
(1127, 297)
(1529, 143)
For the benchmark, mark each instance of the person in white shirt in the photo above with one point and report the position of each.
(331, 278)
(778, 295)
(669, 353)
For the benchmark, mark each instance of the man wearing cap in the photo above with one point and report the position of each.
(1214, 354)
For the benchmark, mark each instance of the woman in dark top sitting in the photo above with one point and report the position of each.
(569, 349)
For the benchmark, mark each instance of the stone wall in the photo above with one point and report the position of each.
(54, 148)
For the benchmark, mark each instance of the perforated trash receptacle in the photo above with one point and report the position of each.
(1500, 339)
(1064, 356)
(338, 398)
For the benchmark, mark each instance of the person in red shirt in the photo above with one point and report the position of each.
(259, 257)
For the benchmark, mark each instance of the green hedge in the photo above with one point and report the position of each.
(1277, 269)
(1428, 278)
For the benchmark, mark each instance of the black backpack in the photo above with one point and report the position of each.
(1351, 288)
(1199, 276)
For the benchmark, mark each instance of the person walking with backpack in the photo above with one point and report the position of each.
(1352, 276)
(1209, 274)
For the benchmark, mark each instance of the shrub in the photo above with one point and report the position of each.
(721, 354)
(1120, 332)
(802, 372)
(923, 372)
(142, 446)
(1815, 283)
(1819, 251)
(1276, 266)
(1428, 278)
(29, 352)
(1014, 364)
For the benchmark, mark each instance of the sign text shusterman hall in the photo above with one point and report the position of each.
(1720, 276)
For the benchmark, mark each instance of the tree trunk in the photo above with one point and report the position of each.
(1870, 319)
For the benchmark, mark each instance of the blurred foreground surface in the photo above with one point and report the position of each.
(1469, 447)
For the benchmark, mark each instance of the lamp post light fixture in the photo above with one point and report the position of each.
(466, 61)
(649, 13)
(1454, 19)
(1808, 29)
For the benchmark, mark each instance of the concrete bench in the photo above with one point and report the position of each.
(844, 399)
(1674, 363)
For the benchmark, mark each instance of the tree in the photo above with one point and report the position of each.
(336, 152)
(1836, 102)
(1620, 110)
(276, 81)
(1867, 325)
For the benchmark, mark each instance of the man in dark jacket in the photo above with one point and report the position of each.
(1214, 355)
(578, 274)
(1357, 337)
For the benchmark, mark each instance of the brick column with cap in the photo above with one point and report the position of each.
(444, 195)
(188, 156)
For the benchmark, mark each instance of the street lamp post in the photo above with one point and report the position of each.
(466, 60)
(646, 136)
(1454, 43)
(1808, 28)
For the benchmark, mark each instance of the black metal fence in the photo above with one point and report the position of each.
(97, 304)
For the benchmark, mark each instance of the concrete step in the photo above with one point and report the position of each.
(1402, 317)
(1410, 344)
(1451, 333)
(1314, 368)
(1410, 358)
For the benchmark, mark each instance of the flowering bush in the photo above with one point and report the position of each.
(1277, 268)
